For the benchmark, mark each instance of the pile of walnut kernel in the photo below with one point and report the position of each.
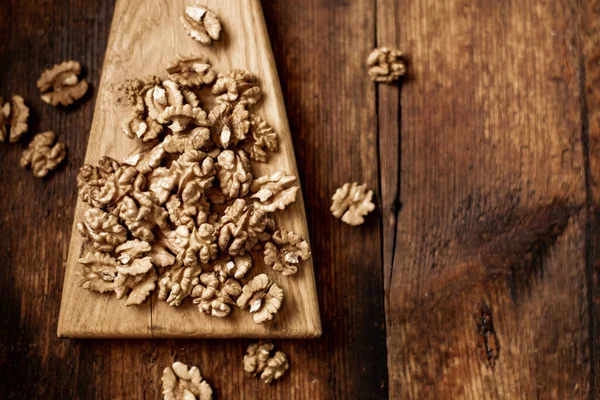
(185, 214)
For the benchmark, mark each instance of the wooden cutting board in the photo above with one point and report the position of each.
(145, 36)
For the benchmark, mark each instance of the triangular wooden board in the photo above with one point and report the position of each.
(145, 36)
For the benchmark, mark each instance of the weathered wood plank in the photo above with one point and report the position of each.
(490, 135)
(589, 46)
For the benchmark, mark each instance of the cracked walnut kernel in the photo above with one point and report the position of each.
(102, 230)
(234, 173)
(230, 125)
(263, 296)
(237, 86)
(177, 283)
(258, 361)
(15, 115)
(274, 192)
(191, 71)
(262, 140)
(43, 154)
(61, 85)
(182, 383)
(352, 202)
(201, 24)
(386, 65)
(189, 126)
(285, 252)
(240, 228)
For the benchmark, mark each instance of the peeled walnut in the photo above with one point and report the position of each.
(191, 71)
(163, 95)
(177, 283)
(196, 246)
(259, 362)
(274, 192)
(263, 296)
(146, 157)
(386, 65)
(201, 24)
(98, 272)
(352, 202)
(229, 124)
(285, 252)
(189, 176)
(235, 267)
(132, 255)
(60, 84)
(276, 367)
(183, 383)
(189, 214)
(257, 355)
(139, 124)
(43, 154)
(216, 293)
(15, 115)
(262, 140)
(141, 288)
(234, 173)
(189, 126)
(102, 230)
(106, 184)
(237, 86)
(240, 228)
(140, 218)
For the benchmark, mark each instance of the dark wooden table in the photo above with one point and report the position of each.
(485, 165)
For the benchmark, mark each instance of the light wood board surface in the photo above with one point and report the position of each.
(145, 36)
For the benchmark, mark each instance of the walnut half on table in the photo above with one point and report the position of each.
(259, 361)
(182, 383)
(61, 85)
(43, 154)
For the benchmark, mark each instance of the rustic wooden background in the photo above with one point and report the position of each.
(485, 164)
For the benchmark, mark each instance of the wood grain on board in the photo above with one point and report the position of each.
(493, 194)
(145, 36)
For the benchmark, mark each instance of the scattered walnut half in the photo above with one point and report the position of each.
(42, 154)
(237, 86)
(191, 71)
(15, 115)
(201, 24)
(262, 141)
(285, 252)
(61, 85)
(258, 361)
(182, 383)
(386, 65)
(352, 202)
(263, 296)
(274, 192)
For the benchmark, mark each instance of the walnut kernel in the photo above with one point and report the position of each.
(285, 252)
(43, 155)
(259, 362)
(352, 202)
(61, 85)
(191, 71)
(15, 115)
(182, 383)
(386, 65)
(201, 24)
(263, 296)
